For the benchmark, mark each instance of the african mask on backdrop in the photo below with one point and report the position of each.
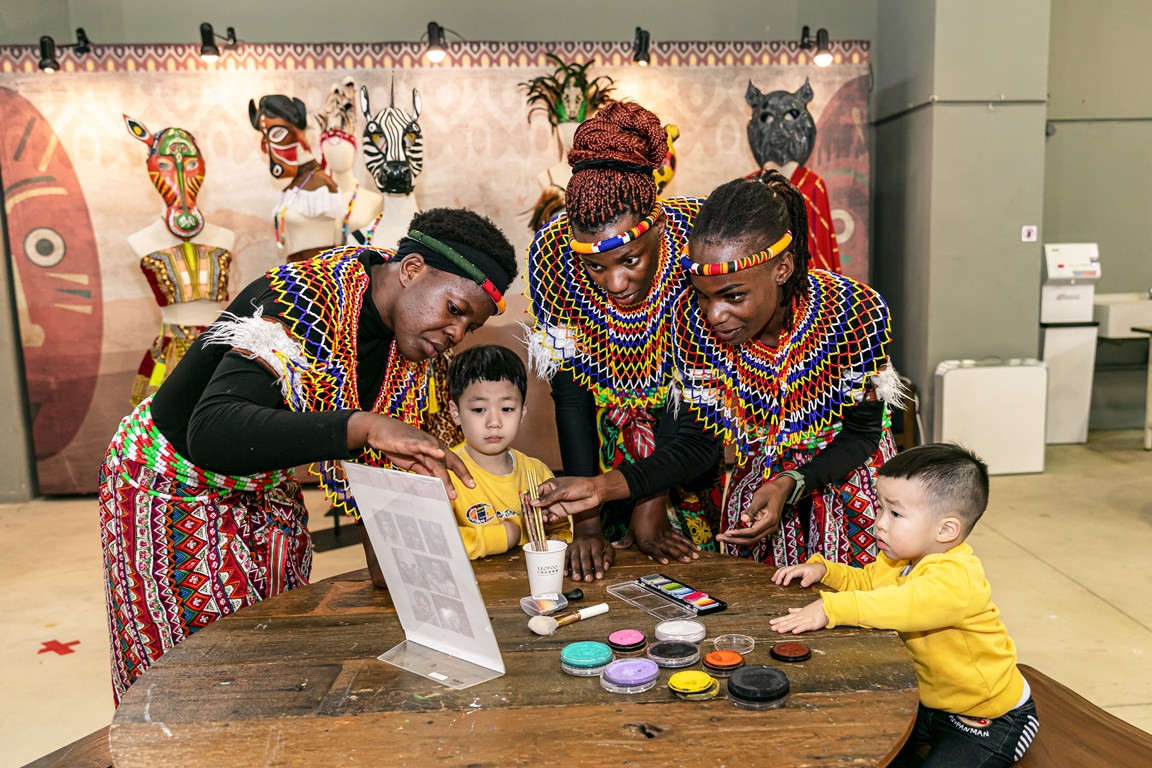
(281, 121)
(663, 173)
(393, 144)
(781, 129)
(176, 168)
(566, 95)
(336, 120)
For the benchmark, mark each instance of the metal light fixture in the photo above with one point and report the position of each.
(48, 48)
(437, 43)
(48, 62)
(823, 48)
(209, 51)
(640, 48)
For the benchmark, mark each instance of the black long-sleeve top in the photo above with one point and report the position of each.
(227, 413)
(683, 449)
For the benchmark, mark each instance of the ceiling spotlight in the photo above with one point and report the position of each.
(437, 43)
(209, 51)
(640, 48)
(823, 55)
(48, 62)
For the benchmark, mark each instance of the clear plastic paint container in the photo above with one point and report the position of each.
(758, 688)
(585, 659)
(742, 644)
(630, 676)
(685, 630)
(674, 653)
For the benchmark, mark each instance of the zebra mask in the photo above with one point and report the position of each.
(393, 144)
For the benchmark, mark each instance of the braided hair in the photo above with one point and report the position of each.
(762, 208)
(626, 133)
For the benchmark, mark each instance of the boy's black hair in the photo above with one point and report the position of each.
(955, 479)
(488, 362)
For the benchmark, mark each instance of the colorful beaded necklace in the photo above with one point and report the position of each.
(789, 394)
(619, 353)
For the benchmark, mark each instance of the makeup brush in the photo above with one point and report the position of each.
(547, 625)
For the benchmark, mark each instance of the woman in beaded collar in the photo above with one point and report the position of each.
(602, 279)
(789, 364)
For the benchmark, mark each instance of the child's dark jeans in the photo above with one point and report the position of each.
(969, 742)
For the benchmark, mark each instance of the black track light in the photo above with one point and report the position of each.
(823, 55)
(640, 48)
(437, 43)
(48, 62)
(209, 51)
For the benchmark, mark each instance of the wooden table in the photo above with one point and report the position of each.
(295, 681)
(1148, 396)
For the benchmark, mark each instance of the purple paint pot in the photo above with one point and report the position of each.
(630, 675)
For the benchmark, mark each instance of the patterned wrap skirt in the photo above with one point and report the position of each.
(184, 546)
(627, 435)
(834, 520)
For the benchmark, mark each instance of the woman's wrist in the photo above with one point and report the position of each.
(798, 484)
(611, 486)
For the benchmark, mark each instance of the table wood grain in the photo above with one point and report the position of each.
(294, 681)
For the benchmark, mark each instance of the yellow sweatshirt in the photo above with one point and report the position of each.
(965, 662)
(479, 510)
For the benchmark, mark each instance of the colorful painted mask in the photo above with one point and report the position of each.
(566, 94)
(393, 144)
(281, 121)
(781, 129)
(667, 169)
(176, 168)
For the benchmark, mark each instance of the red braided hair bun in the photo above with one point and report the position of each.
(624, 132)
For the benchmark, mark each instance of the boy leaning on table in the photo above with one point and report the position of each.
(976, 708)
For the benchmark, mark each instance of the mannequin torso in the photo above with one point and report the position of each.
(340, 156)
(394, 220)
(308, 212)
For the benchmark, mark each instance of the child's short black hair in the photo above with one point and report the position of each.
(489, 362)
(955, 479)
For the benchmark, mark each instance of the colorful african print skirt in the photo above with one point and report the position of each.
(835, 520)
(183, 546)
(627, 435)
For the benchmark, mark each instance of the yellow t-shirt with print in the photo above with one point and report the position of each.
(480, 510)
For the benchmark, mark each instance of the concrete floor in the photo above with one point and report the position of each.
(1066, 553)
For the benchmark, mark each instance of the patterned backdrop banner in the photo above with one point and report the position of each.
(75, 185)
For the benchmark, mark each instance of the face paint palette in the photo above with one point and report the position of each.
(674, 653)
(758, 688)
(585, 659)
(628, 641)
(630, 676)
(666, 598)
(723, 663)
(694, 686)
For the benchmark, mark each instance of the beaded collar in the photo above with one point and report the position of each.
(620, 354)
(790, 394)
(322, 299)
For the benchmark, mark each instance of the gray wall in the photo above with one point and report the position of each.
(1098, 185)
(959, 169)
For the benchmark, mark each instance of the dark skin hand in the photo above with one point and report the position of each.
(763, 513)
(655, 537)
(407, 448)
(589, 555)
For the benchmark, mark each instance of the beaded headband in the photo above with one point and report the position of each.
(615, 242)
(744, 262)
(472, 271)
(337, 133)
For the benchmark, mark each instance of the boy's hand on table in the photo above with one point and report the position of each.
(806, 619)
(513, 531)
(809, 573)
(589, 556)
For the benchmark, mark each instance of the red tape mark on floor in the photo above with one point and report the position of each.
(55, 646)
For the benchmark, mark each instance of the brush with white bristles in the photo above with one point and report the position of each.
(547, 625)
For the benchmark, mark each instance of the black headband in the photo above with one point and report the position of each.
(433, 258)
(609, 164)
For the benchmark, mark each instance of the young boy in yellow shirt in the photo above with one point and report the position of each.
(975, 707)
(487, 385)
